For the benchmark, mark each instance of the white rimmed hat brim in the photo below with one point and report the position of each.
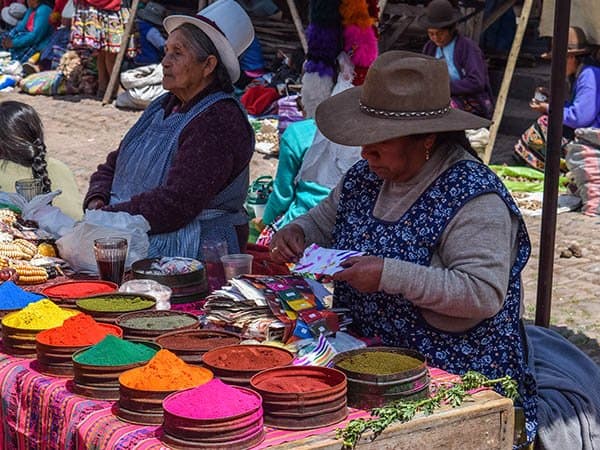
(12, 21)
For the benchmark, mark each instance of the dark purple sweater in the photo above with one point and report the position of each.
(474, 80)
(213, 149)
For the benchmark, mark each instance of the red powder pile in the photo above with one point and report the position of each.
(247, 357)
(213, 400)
(78, 289)
(298, 383)
(77, 331)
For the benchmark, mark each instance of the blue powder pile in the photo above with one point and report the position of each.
(13, 297)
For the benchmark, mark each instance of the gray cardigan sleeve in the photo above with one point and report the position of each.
(469, 274)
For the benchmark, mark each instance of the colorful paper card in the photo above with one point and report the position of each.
(323, 261)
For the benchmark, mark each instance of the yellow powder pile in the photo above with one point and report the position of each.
(165, 372)
(40, 315)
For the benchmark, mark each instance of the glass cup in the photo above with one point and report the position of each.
(236, 264)
(28, 187)
(212, 251)
(111, 253)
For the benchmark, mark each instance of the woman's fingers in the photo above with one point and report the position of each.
(287, 244)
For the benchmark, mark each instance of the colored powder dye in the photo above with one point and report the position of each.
(113, 351)
(248, 357)
(170, 322)
(78, 289)
(213, 400)
(189, 341)
(298, 383)
(79, 330)
(13, 297)
(379, 363)
(40, 315)
(165, 372)
(115, 303)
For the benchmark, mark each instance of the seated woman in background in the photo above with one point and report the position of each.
(151, 33)
(23, 155)
(184, 165)
(469, 81)
(32, 33)
(582, 108)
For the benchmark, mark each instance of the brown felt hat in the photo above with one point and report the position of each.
(403, 94)
(439, 14)
(577, 43)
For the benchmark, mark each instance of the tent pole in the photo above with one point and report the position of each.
(298, 24)
(562, 11)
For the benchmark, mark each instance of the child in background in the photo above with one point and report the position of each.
(23, 155)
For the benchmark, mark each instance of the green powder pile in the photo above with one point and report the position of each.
(113, 351)
(379, 363)
(158, 322)
(114, 303)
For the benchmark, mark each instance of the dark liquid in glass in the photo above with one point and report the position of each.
(111, 270)
(215, 274)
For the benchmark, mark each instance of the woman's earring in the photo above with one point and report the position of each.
(427, 154)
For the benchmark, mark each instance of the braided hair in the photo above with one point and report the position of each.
(22, 139)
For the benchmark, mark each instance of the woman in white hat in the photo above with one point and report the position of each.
(582, 108)
(444, 241)
(184, 164)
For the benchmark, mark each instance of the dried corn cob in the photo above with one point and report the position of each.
(12, 251)
(26, 247)
(32, 279)
(30, 274)
(4, 263)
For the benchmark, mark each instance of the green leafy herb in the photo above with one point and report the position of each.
(403, 411)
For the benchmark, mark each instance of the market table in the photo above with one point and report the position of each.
(40, 412)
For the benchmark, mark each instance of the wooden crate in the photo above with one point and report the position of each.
(486, 422)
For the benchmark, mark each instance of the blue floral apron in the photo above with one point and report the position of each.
(496, 346)
(145, 157)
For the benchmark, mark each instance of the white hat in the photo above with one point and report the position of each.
(68, 10)
(13, 13)
(227, 25)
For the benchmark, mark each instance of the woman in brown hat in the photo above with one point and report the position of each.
(444, 242)
(581, 110)
(469, 81)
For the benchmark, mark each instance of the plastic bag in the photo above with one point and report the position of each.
(77, 246)
(49, 218)
(583, 161)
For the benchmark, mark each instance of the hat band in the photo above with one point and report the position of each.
(404, 114)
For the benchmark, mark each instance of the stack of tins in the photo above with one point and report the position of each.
(55, 347)
(191, 345)
(148, 325)
(237, 364)
(67, 292)
(20, 328)
(108, 307)
(215, 416)
(96, 369)
(186, 287)
(379, 375)
(142, 390)
(301, 397)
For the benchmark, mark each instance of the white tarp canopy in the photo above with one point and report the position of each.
(584, 14)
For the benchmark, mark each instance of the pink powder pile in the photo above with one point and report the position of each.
(212, 400)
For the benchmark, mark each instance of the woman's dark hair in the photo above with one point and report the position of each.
(22, 139)
(203, 47)
(457, 138)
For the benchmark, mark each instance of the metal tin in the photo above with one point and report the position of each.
(141, 407)
(199, 343)
(102, 382)
(240, 444)
(186, 287)
(300, 409)
(213, 359)
(367, 391)
(112, 316)
(147, 334)
(57, 360)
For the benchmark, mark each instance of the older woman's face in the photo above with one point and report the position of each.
(182, 71)
(440, 36)
(398, 159)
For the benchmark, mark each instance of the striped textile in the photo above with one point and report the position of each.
(39, 412)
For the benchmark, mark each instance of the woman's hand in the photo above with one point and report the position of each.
(362, 273)
(541, 107)
(288, 244)
(96, 203)
(7, 42)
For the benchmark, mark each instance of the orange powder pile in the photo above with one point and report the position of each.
(165, 372)
(77, 331)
